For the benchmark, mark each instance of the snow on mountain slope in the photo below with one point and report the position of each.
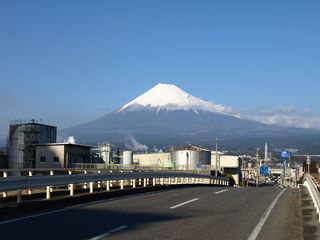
(168, 97)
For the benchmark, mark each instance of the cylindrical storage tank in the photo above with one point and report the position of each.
(127, 158)
(23, 136)
(191, 157)
(185, 157)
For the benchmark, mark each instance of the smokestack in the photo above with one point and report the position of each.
(266, 152)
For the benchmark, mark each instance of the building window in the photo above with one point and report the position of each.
(42, 159)
(55, 159)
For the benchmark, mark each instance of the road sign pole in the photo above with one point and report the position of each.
(257, 168)
(308, 163)
(216, 157)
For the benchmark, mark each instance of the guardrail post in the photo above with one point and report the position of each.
(153, 181)
(29, 190)
(85, 184)
(48, 192)
(69, 185)
(99, 183)
(121, 184)
(108, 185)
(133, 183)
(5, 174)
(144, 182)
(91, 187)
(19, 198)
(71, 188)
(111, 182)
(51, 174)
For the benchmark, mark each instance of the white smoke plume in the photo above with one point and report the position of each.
(71, 140)
(132, 144)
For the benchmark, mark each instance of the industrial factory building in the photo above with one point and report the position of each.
(61, 155)
(151, 159)
(184, 157)
(23, 137)
(188, 157)
(230, 165)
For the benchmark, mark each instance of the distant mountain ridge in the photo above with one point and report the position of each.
(167, 115)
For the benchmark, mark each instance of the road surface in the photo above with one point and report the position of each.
(186, 213)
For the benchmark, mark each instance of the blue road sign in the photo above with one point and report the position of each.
(199, 165)
(284, 154)
(264, 170)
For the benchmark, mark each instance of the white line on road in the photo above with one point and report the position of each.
(40, 214)
(78, 206)
(222, 191)
(108, 233)
(263, 219)
(184, 203)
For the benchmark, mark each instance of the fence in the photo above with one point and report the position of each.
(107, 179)
(311, 185)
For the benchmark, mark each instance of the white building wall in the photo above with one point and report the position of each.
(151, 158)
(225, 161)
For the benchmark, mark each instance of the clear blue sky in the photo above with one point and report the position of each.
(69, 62)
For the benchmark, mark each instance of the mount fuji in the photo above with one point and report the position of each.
(167, 115)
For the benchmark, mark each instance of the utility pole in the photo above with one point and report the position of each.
(265, 153)
(257, 168)
(216, 157)
(308, 163)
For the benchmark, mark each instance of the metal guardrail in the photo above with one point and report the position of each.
(310, 184)
(31, 182)
(162, 166)
(14, 183)
(88, 167)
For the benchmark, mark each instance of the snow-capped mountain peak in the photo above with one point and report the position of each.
(169, 97)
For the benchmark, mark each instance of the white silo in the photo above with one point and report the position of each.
(127, 158)
(106, 153)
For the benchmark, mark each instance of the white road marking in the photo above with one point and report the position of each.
(40, 214)
(184, 203)
(108, 233)
(77, 206)
(221, 191)
(82, 205)
(263, 219)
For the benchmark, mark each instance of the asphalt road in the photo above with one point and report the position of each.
(187, 213)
